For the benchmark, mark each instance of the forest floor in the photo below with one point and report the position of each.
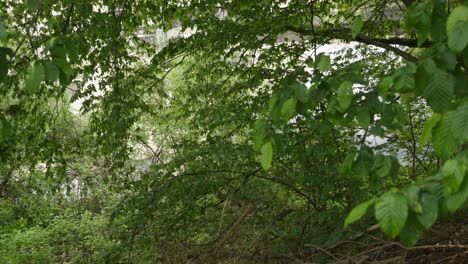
(446, 242)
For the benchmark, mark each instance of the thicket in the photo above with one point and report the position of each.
(264, 132)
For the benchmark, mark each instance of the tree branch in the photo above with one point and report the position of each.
(386, 44)
(67, 20)
(405, 55)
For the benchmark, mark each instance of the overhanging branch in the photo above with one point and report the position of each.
(386, 44)
(405, 55)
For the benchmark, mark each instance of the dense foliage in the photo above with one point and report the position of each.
(261, 129)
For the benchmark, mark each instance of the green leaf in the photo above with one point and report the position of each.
(395, 169)
(412, 231)
(4, 129)
(404, 84)
(448, 59)
(63, 65)
(382, 165)
(460, 123)
(375, 130)
(358, 212)
(259, 134)
(459, 13)
(384, 85)
(35, 77)
(309, 62)
(71, 49)
(458, 36)
(3, 32)
(412, 194)
(439, 92)
(3, 66)
(347, 163)
(453, 172)
(363, 163)
(33, 4)
(266, 155)
(363, 118)
(438, 21)
(345, 95)
(323, 62)
(356, 26)
(59, 57)
(391, 211)
(418, 16)
(424, 72)
(427, 130)
(443, 138)
(456, 200)
(401, 115)
(6, 51)
(388, 115)
(288, 108)
(272, 102)
(51, 71)
(404, 79)
(301, 92)
(430, 210)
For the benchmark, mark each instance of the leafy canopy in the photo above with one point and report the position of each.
(284, 115)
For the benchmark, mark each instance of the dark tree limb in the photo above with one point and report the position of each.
(386, 44)
(405, 55)
(67, 20)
